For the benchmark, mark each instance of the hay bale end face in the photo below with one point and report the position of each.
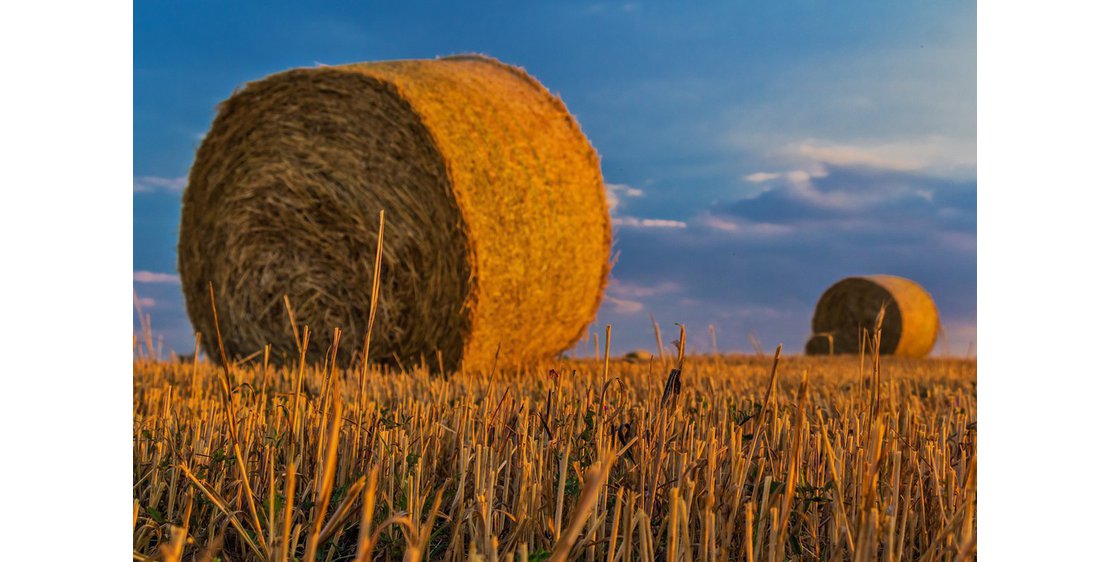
(910, 323)
(497, 231)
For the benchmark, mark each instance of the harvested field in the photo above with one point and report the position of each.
(819, 458)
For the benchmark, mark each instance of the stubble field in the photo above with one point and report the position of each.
(735, 458)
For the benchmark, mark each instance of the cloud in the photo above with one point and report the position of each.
(627, 298)
(936, 155)
(623, 306)
(760, 177)
(147, 302)
(636, 290)
(744, 227)
(867, 175)
(152, 277)
(615, 191)
(151, 184)
(852, 196)
(635, 222)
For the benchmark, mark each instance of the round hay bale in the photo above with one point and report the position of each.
(910, 323)
(820, 344)
(497, 231)
(638, 356)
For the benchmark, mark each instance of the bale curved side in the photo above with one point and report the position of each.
(920, 321)
(529, 187)
(497, 232)
(847, 307)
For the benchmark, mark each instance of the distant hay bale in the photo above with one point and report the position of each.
(909, 327)
(496, 235)
(638, 356)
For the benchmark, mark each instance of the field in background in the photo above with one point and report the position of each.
(839, 458)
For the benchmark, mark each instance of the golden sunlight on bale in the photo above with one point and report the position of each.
(496, 235)
(910, 323)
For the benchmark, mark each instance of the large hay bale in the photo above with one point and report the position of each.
(910, 323)
(497, 231)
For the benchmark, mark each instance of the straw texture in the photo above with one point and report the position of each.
(909, 327)
(497, 231)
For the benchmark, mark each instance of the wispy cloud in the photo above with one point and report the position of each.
(760, 177)
(150, 184)
(936, 155)
(744, 227)
(624, 306)
(793, 176)
(147, 302)
(614, 192)
(635, 222)
(638, 290)
(627, 298)
(152, 277)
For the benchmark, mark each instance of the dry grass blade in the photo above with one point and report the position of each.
(365, 547)
(792, 470)
(222, 506)
(144, 325)
(323, 495)
(658, 340)
(293, 324)
(343, 510)
(374, 289)
(287, 516)
(229, 411)
(673, 386)
(415, 551)
(171, 551)
(595, 480)
(403, 520)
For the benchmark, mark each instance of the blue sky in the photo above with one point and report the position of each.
(754, 152)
